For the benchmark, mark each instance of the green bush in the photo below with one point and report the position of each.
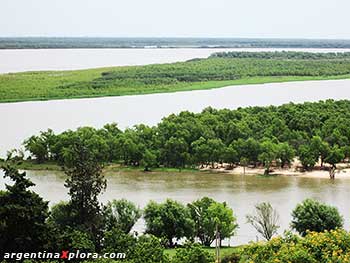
(327, 247)
(315, 216)
(192, 253)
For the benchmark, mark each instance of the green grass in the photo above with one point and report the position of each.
(163, 78)
(224, 251)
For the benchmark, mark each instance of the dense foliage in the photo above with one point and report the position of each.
(257, 136)
(221, 69)
(312, 215)
(333, 246)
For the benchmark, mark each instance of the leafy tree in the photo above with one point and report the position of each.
(40, 146)
(85, 182)
(192, 253)
(285, 153)
(169, 220)
(121, 214)
(207, 215)
(62, 216)
(74, 239)
(315, 216)
(335, 155)
(175, 152)
(264, 220)
(23, 214)
(307, 157)
(268, 153)
(149, 160)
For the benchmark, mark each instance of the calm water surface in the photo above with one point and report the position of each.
(15, 60)
(240, 192)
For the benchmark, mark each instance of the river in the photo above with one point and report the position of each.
(16, 60)
(240, 192)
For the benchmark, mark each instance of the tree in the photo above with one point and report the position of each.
(175, 152)
(315, 216)
(264, 220)
(307, 157)
(40, 146)
(207, 214)
(267, 155)
(334, 156)
(285, 154)
(121, 214)
(149, 160)
(85, 182)
(23, 214)
(169, 220)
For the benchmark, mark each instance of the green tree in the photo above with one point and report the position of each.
(307, 157)
(315, 216)
(285, 153)
(85, 182)
(149, 160)
(169, 220)
(23, 216)
(264, 220)
(268, 153)
(207, 214)
(121, 214)
(334, 156)
(40, 146)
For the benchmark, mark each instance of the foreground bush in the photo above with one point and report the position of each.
(330, 246)
(315, 216)
(192, 253)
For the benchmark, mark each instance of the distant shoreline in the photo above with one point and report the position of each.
(166, 42)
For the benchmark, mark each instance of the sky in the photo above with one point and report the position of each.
(176, 18)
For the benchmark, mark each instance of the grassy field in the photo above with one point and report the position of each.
(160, 78)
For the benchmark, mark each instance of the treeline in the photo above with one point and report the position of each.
(282, 55)
(253, 136)
(219, 67)
(115, 42)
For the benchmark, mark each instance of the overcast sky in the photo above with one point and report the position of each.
(176, 18)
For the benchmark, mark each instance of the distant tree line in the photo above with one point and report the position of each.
(282, 55)
(254, 136)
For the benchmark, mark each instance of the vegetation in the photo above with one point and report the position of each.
(265, 220)
(325, 247)
(173, 42)
(268, 137)
(312, 215)
(25, 216)
(221, 69)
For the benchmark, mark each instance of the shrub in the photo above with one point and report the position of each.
(315, 216)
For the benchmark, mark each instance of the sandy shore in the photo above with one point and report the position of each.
(343, 171)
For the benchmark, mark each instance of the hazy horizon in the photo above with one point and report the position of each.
(297, 19)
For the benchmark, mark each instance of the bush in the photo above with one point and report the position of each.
(315, 216)
(192, 253)
(326, 247)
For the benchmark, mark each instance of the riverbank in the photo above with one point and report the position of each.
(196, 74)
(343, 171)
